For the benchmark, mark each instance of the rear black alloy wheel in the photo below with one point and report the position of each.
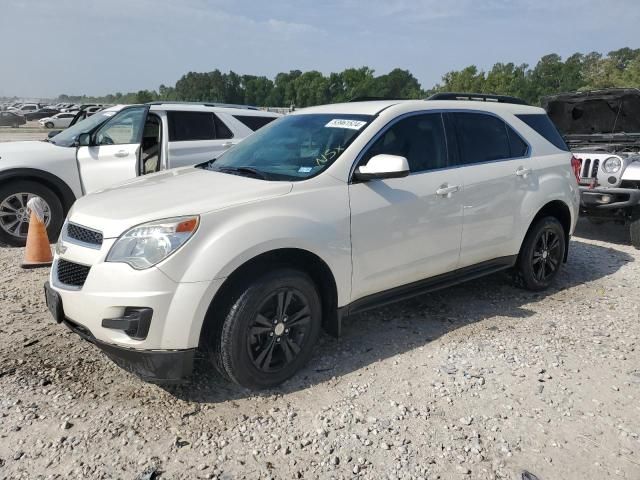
(541, 255)
(279, 330)
(546, 255)
(270, 329)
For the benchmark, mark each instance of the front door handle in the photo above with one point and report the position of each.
(446, 190)
(122, 154)
(227, 145)
(523, 172)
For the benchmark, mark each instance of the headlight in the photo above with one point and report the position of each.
(612, 165)
(150, 243)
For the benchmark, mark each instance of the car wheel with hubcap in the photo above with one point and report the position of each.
(270, 329)
(541, 255)
(48, 125)
(14, 214)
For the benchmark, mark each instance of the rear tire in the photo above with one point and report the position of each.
(541, 254)
(270, 329)
(634, 232)
(12, 203)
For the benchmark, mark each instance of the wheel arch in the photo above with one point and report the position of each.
(559, 210)
(297, 258)
(55, 183)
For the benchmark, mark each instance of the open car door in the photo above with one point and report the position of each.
(114, 152)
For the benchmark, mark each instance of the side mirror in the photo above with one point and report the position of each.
(383, 166)
(83, 140)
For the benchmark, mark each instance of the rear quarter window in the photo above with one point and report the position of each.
(542, 124)
(254, 122)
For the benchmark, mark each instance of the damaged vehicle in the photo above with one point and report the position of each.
(602, 129)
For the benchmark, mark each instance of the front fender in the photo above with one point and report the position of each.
(632, 172)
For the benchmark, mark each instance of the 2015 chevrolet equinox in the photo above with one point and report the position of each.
(327, 211)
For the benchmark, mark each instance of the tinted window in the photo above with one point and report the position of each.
(517, 146)
(542, 124)
(419, 138)
(222, 131)
(185, 126)
(254, 123)
(481, 138)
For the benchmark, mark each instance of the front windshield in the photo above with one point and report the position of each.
(293, 147)
(67, 137)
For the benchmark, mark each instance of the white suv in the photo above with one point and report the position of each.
(109, 147)
(328, 211)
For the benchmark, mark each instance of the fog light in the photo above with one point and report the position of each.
(605, 198)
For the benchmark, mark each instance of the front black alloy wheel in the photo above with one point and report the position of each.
(541, 255)
(270, 329)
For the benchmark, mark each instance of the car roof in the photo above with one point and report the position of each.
(377, 106)
(190, 107)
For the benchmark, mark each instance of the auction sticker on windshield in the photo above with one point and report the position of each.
(346, 123)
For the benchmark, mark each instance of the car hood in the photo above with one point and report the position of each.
(31, 154)
(183, 191)
(596, 113)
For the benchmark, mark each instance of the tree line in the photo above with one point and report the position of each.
(551, 74)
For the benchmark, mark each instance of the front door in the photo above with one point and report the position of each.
(114, 152)
(407, 229)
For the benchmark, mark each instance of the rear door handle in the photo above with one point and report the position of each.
(122, 154)
(523, 172)
(446, 190)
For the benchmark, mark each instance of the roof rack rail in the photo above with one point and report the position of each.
(480, 97)
(370, 99)
(204, 104)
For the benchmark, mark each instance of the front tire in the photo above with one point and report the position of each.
(269, 332)
(14, 216)
(48, 125)
(541, 254)
(634, 231)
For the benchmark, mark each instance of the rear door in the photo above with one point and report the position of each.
(196, 136)
(113, 156)
(497, 173)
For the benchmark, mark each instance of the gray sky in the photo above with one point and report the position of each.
(49, 47)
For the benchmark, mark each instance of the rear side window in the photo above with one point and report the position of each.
(253, 122)
(185, 126)
(517, 146)
(222, 131)
(481, 138)
(542, 124)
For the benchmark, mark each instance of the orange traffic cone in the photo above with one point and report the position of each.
(38, 251)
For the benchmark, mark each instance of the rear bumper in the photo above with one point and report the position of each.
(608, 198)
(155, 366)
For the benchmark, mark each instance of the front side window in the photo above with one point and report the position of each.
(67, 137)
(123, 129)
(292, 148)
(481, 137)
(418, 138)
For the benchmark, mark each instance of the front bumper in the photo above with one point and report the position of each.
(608, 198)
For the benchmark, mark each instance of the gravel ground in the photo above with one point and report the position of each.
(29, 131)
(479, 381)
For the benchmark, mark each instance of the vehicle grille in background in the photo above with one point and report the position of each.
(72, 274)
(84, 235)
(589, 167)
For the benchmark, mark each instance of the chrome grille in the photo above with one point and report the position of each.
(589, 168)
(72, 274)
(84, 235)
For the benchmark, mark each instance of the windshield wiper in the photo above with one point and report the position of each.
(244, 170)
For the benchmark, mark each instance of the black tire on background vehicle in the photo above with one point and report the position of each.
(15, 125)
(634, 231)
(14, 218)
(270, 330)
(541, 254)
(49, 125)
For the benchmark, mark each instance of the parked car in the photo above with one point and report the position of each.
(11, 119)
(39, 114)
(25, 108)
(109, 147)
(326, 212)
(59, 120)
(602, 129)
